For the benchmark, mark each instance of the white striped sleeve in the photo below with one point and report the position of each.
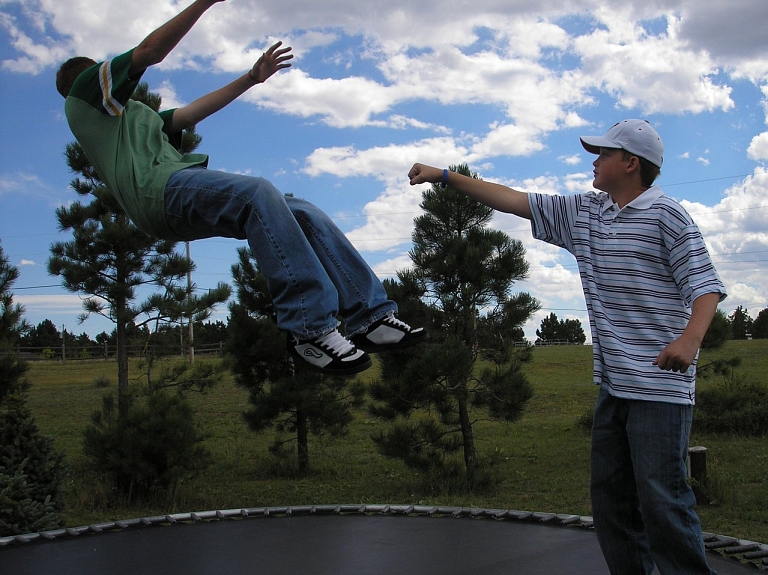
(111, 105)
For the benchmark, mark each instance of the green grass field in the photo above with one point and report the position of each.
(543, 457)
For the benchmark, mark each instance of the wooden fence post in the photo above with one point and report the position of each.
(697, 471)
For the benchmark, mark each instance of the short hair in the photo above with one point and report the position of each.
(648, 170)
(69, 72)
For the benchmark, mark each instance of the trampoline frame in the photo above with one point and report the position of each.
(750, 552)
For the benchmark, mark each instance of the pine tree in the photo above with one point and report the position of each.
(44, 334)
(741, 323)
(12, 327)
(463, 272)
(32, 473)
(110, 259)
(549, 328)
(760, 325)
(288, 398)
(149, 449)
(566, 330)
(146, 445)
(718, 332)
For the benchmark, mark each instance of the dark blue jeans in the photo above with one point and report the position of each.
(642, 504)
(313, 272)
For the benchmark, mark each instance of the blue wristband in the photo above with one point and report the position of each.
(444, 183)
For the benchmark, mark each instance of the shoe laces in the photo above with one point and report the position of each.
(392, 320)
(335, 342)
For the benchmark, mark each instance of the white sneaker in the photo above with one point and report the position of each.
(388, 333)
(329, 353)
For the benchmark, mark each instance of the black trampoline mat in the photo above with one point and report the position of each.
(357, 544)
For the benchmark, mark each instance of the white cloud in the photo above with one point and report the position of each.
(348, 102)
(730, 31)
(20, 183)
(50, 303)
(389, 220)
(398, 122)
(570, 160)
(734, 230)
(758, 147)
(386, 162)
(508, 140)
(170, 99)
(521, 72)
(528, 30)
(517, 57)
(578, 183)
(390, 267)
(654, 73)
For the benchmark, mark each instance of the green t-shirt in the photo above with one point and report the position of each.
(129, 144)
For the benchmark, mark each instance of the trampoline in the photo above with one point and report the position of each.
(338, 539)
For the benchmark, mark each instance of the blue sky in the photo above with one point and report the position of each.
(376, 86)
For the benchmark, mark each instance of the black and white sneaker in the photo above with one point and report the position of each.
(330, 353)
(388, 333)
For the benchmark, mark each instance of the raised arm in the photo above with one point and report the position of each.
(492, 195)
(155, 47)
(273, 60)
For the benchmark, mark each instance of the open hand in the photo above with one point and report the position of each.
(271, 61)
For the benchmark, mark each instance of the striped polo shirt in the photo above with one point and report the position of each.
(641, 268)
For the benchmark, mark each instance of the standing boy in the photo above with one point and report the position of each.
(313, 273)
(651, 292)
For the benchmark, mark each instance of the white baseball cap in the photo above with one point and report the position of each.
(635, 136)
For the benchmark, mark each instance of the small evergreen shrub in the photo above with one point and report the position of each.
(732, 406)
(101, 381)
(32, 473)
(149, 450)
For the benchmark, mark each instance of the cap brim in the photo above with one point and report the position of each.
(592, 144)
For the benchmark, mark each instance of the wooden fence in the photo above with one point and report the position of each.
(104, 352)
(107, 352)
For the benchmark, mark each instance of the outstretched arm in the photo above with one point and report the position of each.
(492, 195)
(273, 60)
(155, 47)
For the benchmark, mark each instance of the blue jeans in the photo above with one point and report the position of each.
(642, 504)
(313, 272)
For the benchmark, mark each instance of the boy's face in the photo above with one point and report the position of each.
(610, 170)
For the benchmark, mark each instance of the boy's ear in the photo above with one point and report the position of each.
(633, 165)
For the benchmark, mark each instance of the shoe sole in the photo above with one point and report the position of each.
(382, 347)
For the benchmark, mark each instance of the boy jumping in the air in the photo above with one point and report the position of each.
(313, 272)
